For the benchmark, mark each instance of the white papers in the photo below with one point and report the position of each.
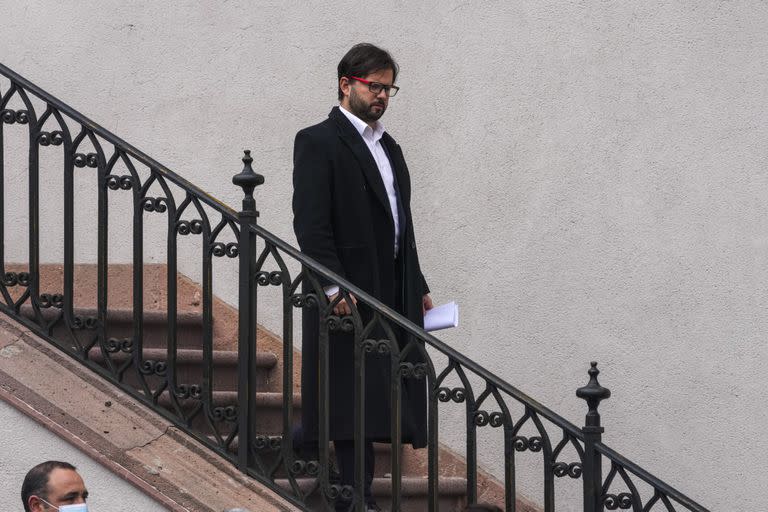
(442, 317)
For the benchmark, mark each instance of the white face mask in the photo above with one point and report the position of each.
(81, 507)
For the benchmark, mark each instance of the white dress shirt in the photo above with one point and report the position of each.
(372, 138)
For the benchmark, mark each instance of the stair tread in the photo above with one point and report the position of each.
(409, 485)
(195, 355)
(263, 398)
(149, 315)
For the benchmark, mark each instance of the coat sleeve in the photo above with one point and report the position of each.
(313, 201)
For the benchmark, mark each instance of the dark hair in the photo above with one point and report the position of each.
(364, 59)
(482, 507)
(36, 481)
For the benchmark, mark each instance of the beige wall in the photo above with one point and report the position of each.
(589, 181)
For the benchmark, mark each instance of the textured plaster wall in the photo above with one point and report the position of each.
(589, 181)
(26, 443)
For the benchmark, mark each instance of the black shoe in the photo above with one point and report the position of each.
(334, 477)
(371, 506)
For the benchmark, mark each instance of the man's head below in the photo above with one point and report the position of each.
(367, 77)
(52, 486)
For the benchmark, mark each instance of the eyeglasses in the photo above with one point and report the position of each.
(377, 87)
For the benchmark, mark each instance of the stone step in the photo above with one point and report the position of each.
(268, 418)
(189, 367)
(413, 489)
(188, 342)
(382, 452)
(189, 325)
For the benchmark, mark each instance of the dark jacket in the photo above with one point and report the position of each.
(342, 219)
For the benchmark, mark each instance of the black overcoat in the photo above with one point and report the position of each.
(342, 219)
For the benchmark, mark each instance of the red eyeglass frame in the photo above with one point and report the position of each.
(384, 87)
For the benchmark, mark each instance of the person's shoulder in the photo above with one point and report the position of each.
(325, 128)
(388, 139)
(321, 135)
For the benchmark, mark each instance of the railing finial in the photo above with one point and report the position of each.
(248, 180)
(593, 393)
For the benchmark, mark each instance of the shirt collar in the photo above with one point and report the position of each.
(362, 127)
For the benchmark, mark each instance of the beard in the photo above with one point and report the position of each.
(368, 112)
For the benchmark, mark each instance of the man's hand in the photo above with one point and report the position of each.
(426, 304)
(342, 308)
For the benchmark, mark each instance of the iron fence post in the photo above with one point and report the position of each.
(592, 473)
(247, 179)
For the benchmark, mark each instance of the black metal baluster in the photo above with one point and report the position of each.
(102, 253)
(34, 207)
(287, 446)
(593, 393)
(396, 445)
(6, 118)
(320, 300)
(359, 433)
(471, 439)
(69, 240)
(3, 288)
(207, 301)
(510, 505)
(2, 199)
(215, 249)
(549, 476)
(138, 276)
(323, 392)
(247, 180)
(3, 101)
(422, 369)
(508, 425)
(174, 216)
(432, 447)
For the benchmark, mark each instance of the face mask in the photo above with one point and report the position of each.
(82, 507)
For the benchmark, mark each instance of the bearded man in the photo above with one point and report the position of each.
(352, 213)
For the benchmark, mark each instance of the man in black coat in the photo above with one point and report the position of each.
(352, 214)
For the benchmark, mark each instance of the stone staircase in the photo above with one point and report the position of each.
(269, 404)
(452, 483)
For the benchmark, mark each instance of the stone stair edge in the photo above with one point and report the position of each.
(263, 398)
(195, 355)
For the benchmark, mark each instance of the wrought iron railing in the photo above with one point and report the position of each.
(230, 430)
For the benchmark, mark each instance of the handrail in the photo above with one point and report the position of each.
(414, 329)
(666, 489)
(261, 455)
(128, 148)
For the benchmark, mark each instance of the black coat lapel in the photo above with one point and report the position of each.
(356, 144)
(397, 178)
(398, 167)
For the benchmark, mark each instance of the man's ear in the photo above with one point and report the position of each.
(344, 85)
(35, 504)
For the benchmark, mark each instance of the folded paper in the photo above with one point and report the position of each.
(442, 317)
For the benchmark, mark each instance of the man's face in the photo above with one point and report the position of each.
(65, 487)
(359, 100)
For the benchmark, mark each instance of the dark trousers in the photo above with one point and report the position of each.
(345, 458)
(345, 461)
(345, 449)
